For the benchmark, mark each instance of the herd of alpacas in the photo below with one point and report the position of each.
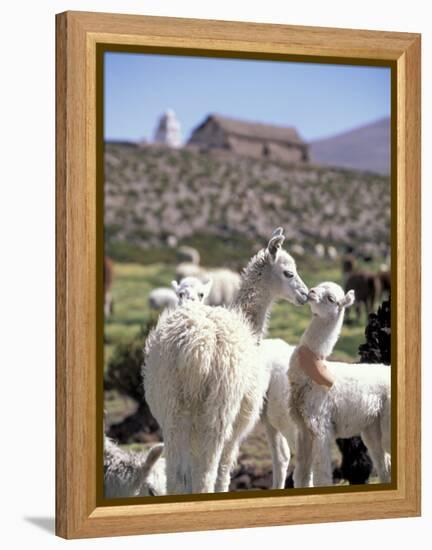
(210, 375)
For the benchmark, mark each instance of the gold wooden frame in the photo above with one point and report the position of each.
(79, 226)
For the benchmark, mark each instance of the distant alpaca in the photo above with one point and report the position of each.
(191, 289)
(225, 282)
(319, 250)
(348, 264)
(367, 288)
(384, 276)
(332, 252)
(358, 402)
(225, 285)
(203, 376)
(161, 298)
(130, 474)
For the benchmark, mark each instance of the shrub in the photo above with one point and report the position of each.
(124, 375)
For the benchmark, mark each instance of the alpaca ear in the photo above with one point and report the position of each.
(349, 299)
(276, 241)
(152, 457)
(277, 232)
(175, 286)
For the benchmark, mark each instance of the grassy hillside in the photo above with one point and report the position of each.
(153, 192)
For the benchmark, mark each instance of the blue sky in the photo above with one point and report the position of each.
(319, 100)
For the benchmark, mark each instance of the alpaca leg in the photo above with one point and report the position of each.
(177, 453)
(228, 459)
(385, 424)
(242, 426)
(280, 452)
(206, 450)
(372, 439)
(322, 464)
(386, 438)
(358, 311)
(303, 459)
(176, 470)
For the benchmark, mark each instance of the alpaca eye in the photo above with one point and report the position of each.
(288, 274)
(331, 299)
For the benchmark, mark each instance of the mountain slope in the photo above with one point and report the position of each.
(153, 192)
(364, 148)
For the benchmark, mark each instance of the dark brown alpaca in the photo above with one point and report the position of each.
(385, 280)
(348, 265)
(367, 288)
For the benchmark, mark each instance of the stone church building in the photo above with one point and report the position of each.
(250, 138)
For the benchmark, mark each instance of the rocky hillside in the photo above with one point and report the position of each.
(153, 192)
(364, 148)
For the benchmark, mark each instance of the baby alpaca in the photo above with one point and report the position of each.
(129, 474)
(191, 289)
(357, 402)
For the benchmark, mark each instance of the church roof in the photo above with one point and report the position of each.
(255, 130)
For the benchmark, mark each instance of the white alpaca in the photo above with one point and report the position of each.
(297, 250)
(161, 298)
(204, 378)
(191, 289)
(225, 282)
(319, 250)
(131, 474)
(332, 252)
(356, 403)
(274, 355)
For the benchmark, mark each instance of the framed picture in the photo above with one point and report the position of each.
(238, 275)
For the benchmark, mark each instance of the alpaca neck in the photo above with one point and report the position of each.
(254, 297)
(256, 307)
(322, 334)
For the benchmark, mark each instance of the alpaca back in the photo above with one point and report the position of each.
(361, 392)
(359, 395)
(202, 360)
